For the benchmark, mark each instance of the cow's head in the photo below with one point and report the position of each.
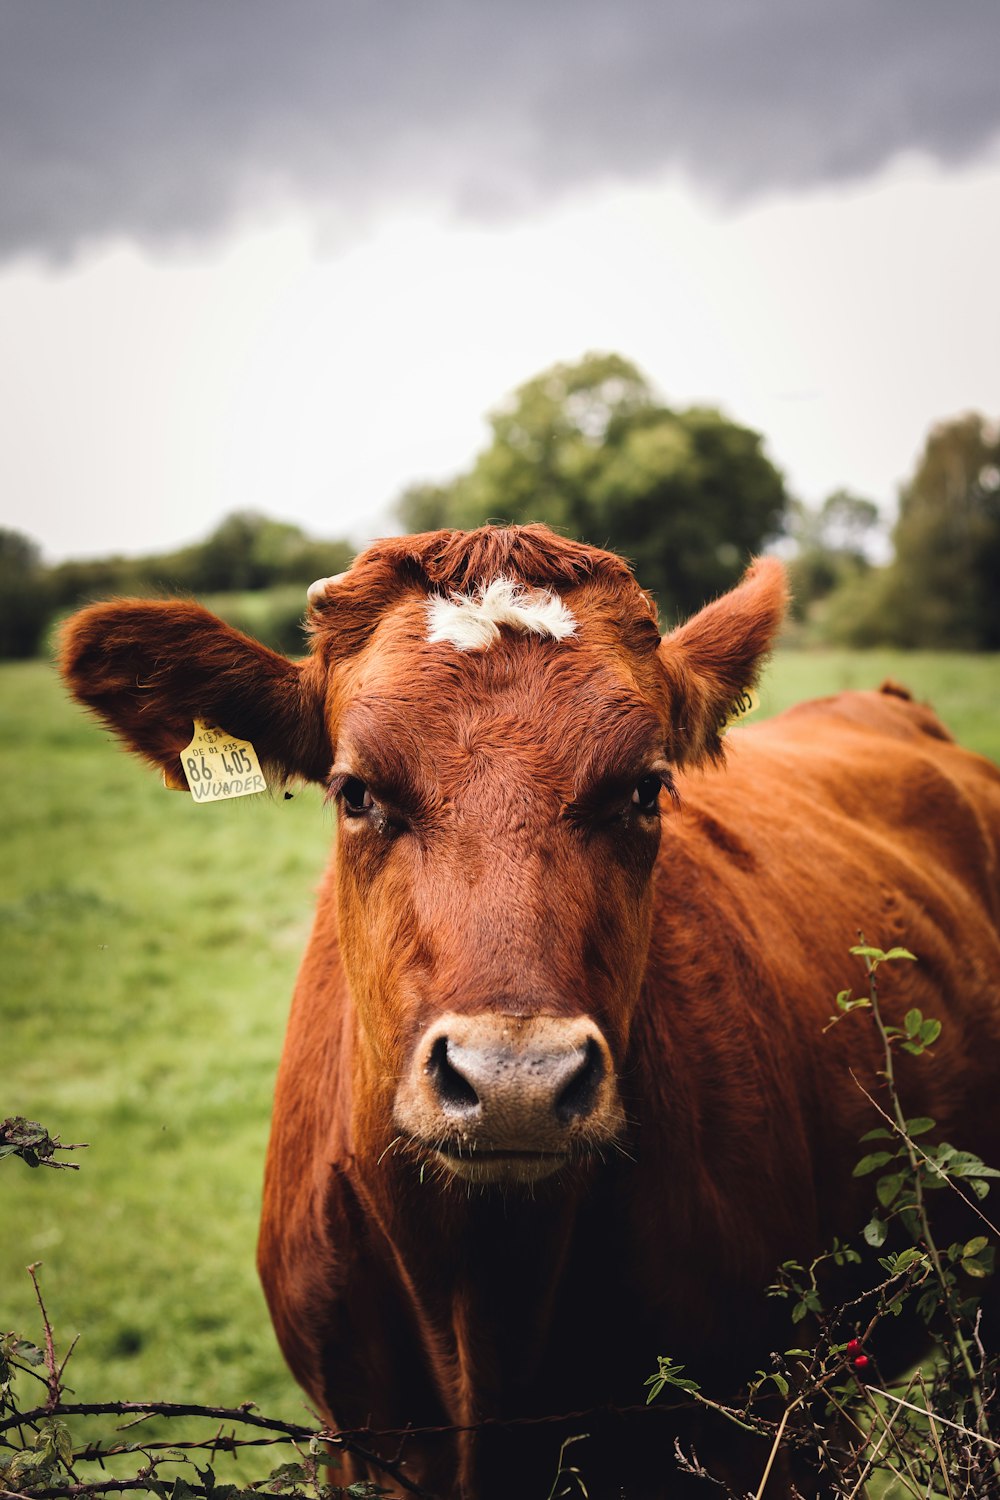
(499, 722)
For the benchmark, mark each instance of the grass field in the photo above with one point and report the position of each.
(149, 947)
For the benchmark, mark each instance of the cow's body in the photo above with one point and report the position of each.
(426, 1271)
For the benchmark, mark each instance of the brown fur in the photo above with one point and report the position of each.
(506, 871)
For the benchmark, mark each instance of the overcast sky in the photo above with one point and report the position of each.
(287, 255)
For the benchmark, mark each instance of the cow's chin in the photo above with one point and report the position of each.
(501, 1168)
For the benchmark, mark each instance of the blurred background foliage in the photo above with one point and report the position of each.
(687, 496)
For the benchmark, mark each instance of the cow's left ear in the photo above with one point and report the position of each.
(717, 655)
(150, 668)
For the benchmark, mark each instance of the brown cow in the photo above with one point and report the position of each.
(555, 1096)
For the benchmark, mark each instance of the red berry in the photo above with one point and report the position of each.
(853, 1345)
(861, 1362)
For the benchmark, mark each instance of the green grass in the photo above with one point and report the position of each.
(963, 689)
(149, 948)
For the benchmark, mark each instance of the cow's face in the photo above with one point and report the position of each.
(500, 792)
(498, 821)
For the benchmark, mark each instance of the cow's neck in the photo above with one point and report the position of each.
(482, 1277)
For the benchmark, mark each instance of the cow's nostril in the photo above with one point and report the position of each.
(579, 1096)
(455, 1092)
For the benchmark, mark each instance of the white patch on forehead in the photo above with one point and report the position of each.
(471, 622)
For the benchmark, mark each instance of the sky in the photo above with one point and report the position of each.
(288, 256)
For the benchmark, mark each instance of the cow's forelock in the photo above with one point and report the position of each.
(471, 622)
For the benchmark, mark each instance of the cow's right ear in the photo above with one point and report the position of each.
(150, 668)
(710, 662)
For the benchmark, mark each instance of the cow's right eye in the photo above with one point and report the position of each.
(356, 797)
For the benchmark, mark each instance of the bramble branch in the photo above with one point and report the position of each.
(33, 1144)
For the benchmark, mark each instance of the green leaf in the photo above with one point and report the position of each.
(975, 1268)
(862, 950)
(30, 1353)
(64, 1443)
(973, 1247)
(929, 1032)
(283, 1477)
(910, 1220)
(872, 1162)
(913, 1020)
(901, 953)
(28, 1468)
(887, 1188)
(965, 1164)
(980, 1262)
(880, 1133)
(875, 1232)
(810, 1302)
(919, 1125)
(927, 1306)
(846, 1003)
(931, 1179)
(668, 1374)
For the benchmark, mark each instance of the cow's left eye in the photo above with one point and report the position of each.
(356, 797)
(647, 793)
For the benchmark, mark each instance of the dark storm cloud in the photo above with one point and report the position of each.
(165, 118)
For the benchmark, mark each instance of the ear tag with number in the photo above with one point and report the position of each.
(745, 704)
(218, 766)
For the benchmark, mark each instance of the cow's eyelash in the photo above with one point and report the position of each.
(597, 799)
(333, 786)
(669, 785)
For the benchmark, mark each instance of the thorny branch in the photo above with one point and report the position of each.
(33, 1144)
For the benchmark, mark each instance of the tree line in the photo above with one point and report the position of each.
(246, 555)
(686, 495)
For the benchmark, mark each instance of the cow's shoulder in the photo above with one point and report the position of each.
(820, 822)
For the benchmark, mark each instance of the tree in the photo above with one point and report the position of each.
(832, 548)
(687, 496)
(941, 589)
(25, 601)
(948, 538)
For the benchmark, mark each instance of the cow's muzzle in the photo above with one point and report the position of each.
(500, 1098)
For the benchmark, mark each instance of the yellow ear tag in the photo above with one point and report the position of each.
(218, 766)
(741, 708)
